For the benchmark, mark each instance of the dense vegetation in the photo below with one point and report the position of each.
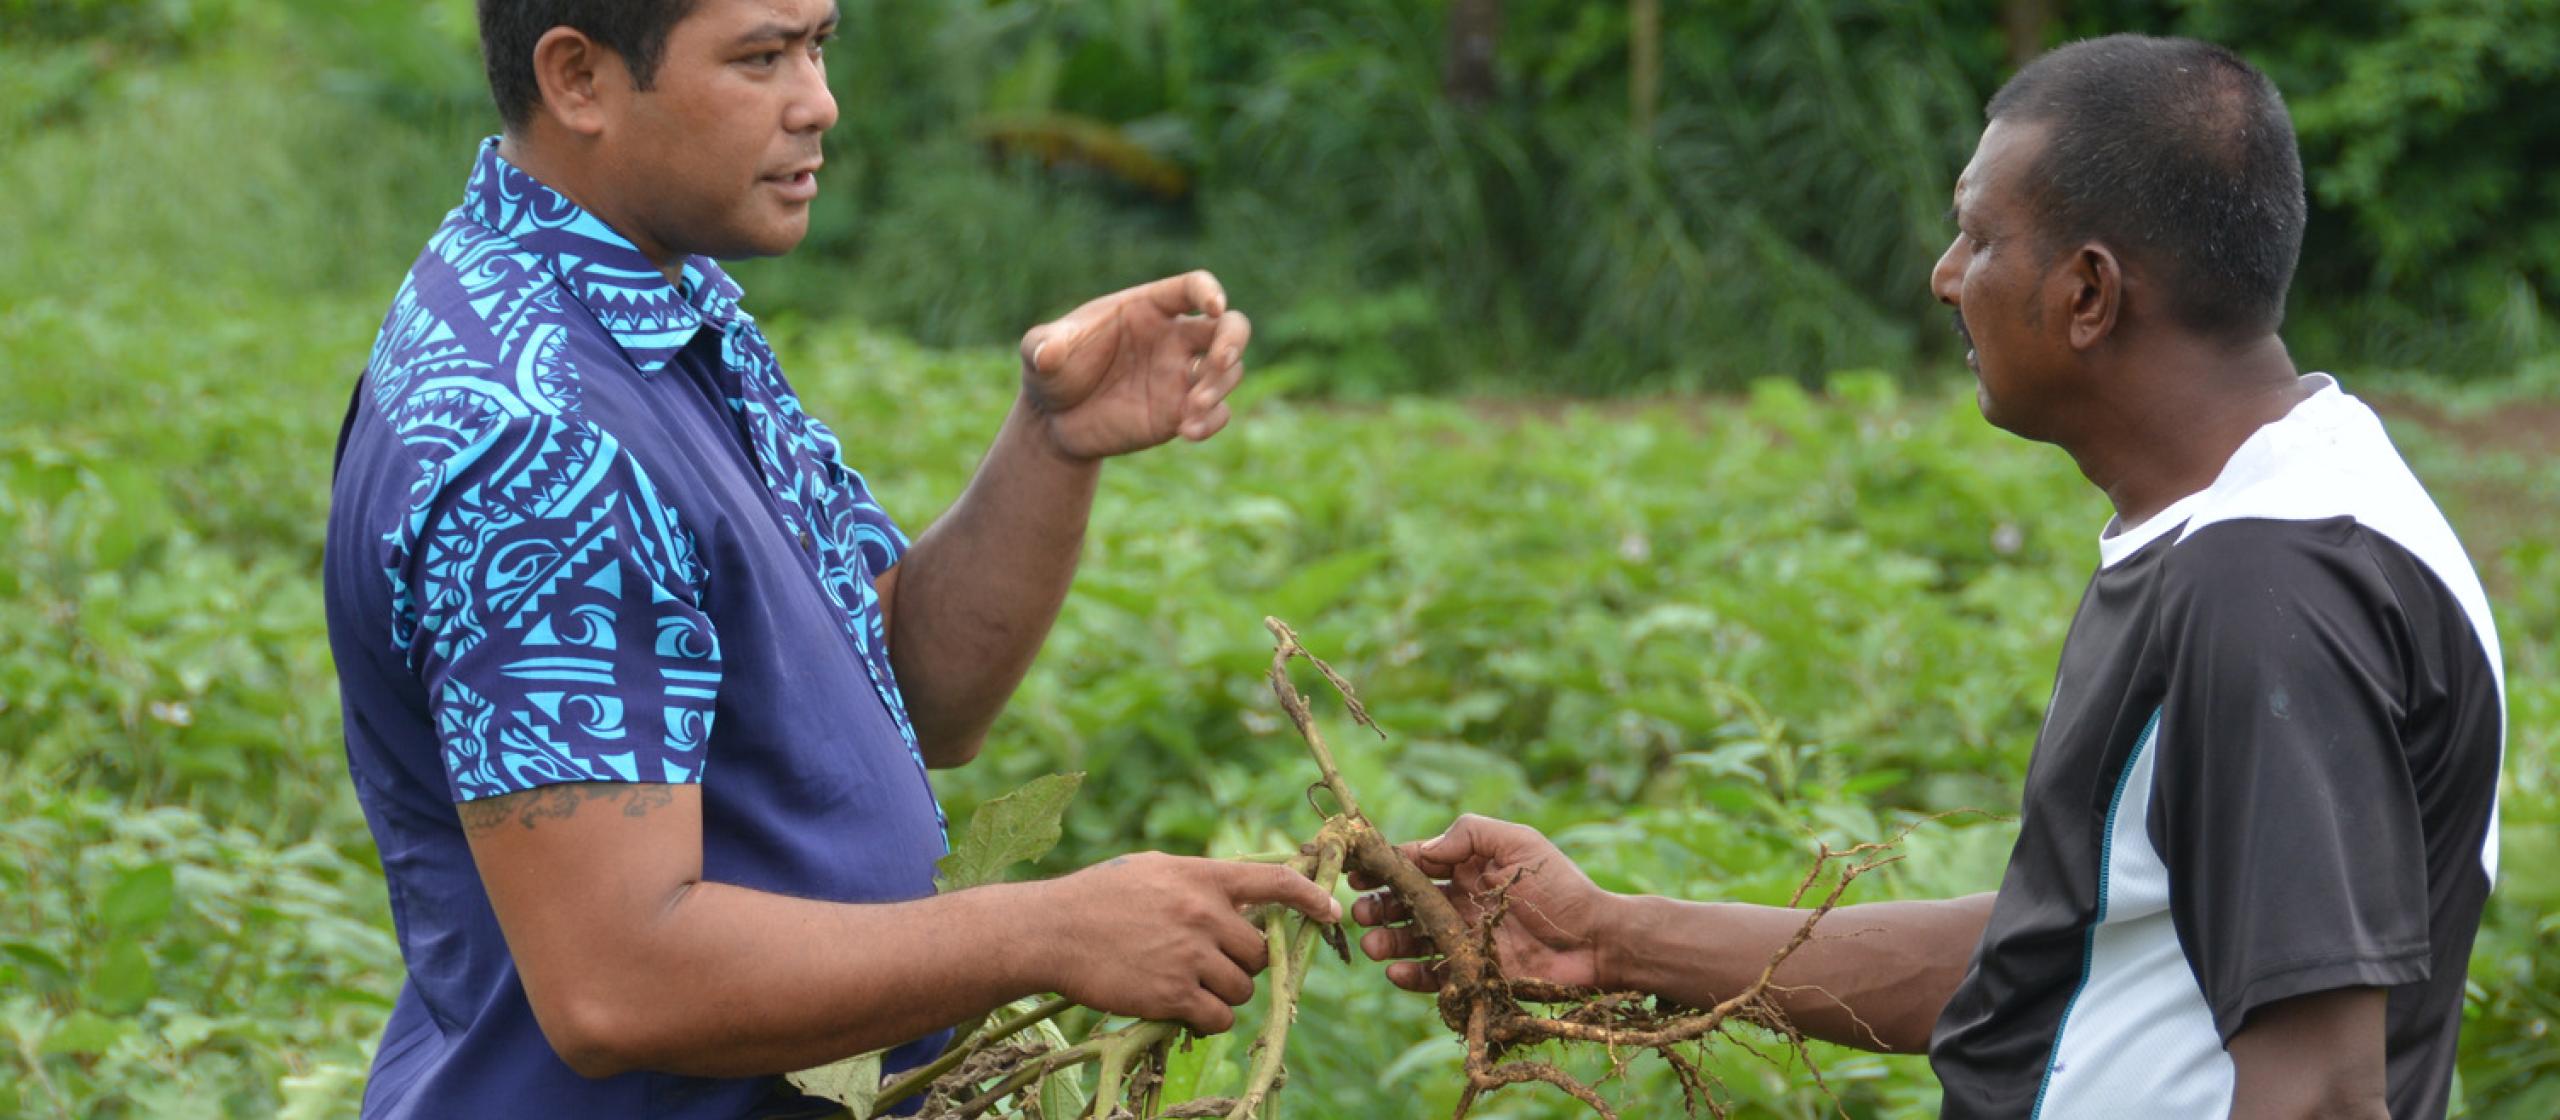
(1621, 194)
(1687, 634)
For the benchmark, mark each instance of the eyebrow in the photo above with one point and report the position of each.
(789, 32)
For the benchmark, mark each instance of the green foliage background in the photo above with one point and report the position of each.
(1771, 211)
(1686, 633)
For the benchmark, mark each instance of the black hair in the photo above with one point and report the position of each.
(2175, 153)
(634, 29)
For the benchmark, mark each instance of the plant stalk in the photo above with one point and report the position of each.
(919, 1079)
(1293, 942)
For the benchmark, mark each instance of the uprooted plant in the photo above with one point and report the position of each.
(1016, 1062)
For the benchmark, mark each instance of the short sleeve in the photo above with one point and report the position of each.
(556, 620)
(2284, 805)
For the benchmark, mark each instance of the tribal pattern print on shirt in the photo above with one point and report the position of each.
(549, 598)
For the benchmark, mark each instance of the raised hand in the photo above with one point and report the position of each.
(1136, 368)
(1164, 937)
(1553, 931)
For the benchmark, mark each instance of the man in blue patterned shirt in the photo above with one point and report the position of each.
(641, 686)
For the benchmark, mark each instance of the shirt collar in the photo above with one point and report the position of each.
(2257, 457)
(650, 318)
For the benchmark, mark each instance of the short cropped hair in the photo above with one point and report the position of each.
(2177, 154)
(634, 29)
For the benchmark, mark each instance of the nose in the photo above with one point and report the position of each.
(1946, 279)
(813, 105)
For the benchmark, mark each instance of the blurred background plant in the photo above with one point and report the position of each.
(1540, 193)
(1763, 599)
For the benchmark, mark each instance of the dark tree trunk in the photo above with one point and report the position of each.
(2027, 22)
(1644, 63)
(1475, 38)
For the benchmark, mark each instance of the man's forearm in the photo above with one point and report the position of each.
(976, 595)
(737, 982)
(1873, 976)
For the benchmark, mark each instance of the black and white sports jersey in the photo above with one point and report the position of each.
(2270, 768)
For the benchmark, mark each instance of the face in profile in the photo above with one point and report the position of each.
(721, 153)
(1993, 274)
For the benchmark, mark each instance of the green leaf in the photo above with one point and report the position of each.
(85, 1032)
(1016, 828)
(1062, 1092)
(187, 1030)
(1316, 588)
(140, 899)
(122, 978)
(1206, 1068)
(35, 957)
(331, 1090)
(853, 1083)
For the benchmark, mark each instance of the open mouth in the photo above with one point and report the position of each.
(796, 186)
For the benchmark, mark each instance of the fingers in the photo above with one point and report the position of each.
(1380, 909)
(1473, 838)
(1414, 976)
(1469, 839)
(1194, 292)
(1207, 424)
(1222, 356)
(1208, 1014)
(1414, 965)
(1411, 850)
(1216, 373)
(1396, 943)
(1243, 944)
(1046, 348)
(1227, 982)
(1249, 883)
(1190, 341)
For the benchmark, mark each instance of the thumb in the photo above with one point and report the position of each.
(1463, 838)
(1472, 837)
(1248, 884)
(1046, 348)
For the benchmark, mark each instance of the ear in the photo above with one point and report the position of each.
(577, 75)
(2093, 280)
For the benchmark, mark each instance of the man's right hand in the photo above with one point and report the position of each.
(1165, 937)
(1553, 931)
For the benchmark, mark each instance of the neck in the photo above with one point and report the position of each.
(582, 181)
(2170, 418)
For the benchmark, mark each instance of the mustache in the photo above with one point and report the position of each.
(1961, 332)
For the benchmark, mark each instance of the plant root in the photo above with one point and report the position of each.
(1492, 1012)
(1495, 1015)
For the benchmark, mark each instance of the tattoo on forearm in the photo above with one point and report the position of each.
(560, 802)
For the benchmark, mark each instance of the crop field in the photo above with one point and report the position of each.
(1691, 636)
(1688, 635)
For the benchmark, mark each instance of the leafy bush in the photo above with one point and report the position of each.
(1774, 211)
(157, 964)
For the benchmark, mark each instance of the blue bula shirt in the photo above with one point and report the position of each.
(582, 531)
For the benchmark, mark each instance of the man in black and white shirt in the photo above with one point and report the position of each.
(2261, 820)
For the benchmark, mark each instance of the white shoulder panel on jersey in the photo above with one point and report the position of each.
(2330, 457)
